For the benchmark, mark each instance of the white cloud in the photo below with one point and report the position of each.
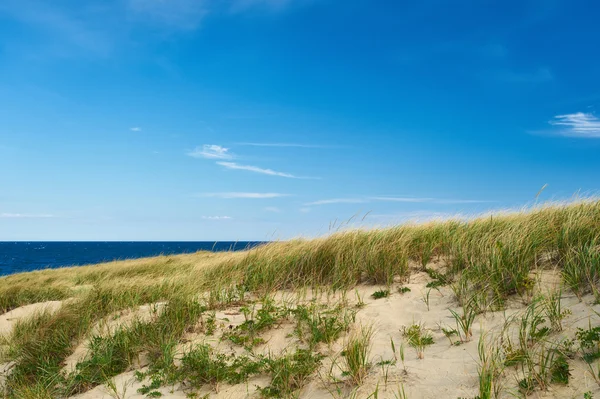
(337, 201)
(393, 199)
(233, 195)
(578, 124)
(26, 215)
(256, 169)
(211, 151)
(428, 200)
(217, 217)
(135, 129)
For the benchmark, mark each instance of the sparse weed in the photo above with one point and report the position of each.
(290, 372)
(419, 338)
(256, 321)
(380, 294)
(426, 298)
(356, 354)
(553, 310)
(403, 290)
(464, 322)
(489, 370)
(315, 324)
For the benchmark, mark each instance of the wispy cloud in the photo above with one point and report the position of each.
(273, 209)
(256, 169)
(211, 151)
(578, 124)
(135, 129)
(217, 217)
(419, 200)
(429, 200)
(235, 195)
(337, 201)
(26, 215)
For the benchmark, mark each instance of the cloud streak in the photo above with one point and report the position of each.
(415, 200)
(26, 216)
(256, 169)
(217, 217)
(579, 124)
(337, 201)
(211, 151)
(238, 195)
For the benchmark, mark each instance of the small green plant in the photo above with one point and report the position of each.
(203, 366)
(316, 324)
(489, 370)
(356, 354)
(210, 324)
(426, 298)
(155, 383)
(360, 303)
(385, 367)
(400, 393)
(553, 310)
(380, 294)
(559, 370)
(402, 356)
(289, 373)
(449, 333)
(589, 342)
(256, 321)
(403, 290)
(532, 328)
(419, 338)
(464, 322)
(439, 279)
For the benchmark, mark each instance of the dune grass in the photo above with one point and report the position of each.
(492, 257)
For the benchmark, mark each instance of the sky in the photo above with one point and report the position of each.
(273, 119)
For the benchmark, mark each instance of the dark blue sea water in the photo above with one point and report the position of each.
(18, 257)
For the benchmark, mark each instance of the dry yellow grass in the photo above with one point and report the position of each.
(487, 262)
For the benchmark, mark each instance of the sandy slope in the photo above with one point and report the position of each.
(447, 371)
(9, 319)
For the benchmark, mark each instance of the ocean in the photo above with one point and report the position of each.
(16, 257)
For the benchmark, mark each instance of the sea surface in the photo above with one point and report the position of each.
(16, 257)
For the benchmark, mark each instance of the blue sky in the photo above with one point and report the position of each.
(261, 119)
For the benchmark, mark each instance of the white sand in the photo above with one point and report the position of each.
(9, 319)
